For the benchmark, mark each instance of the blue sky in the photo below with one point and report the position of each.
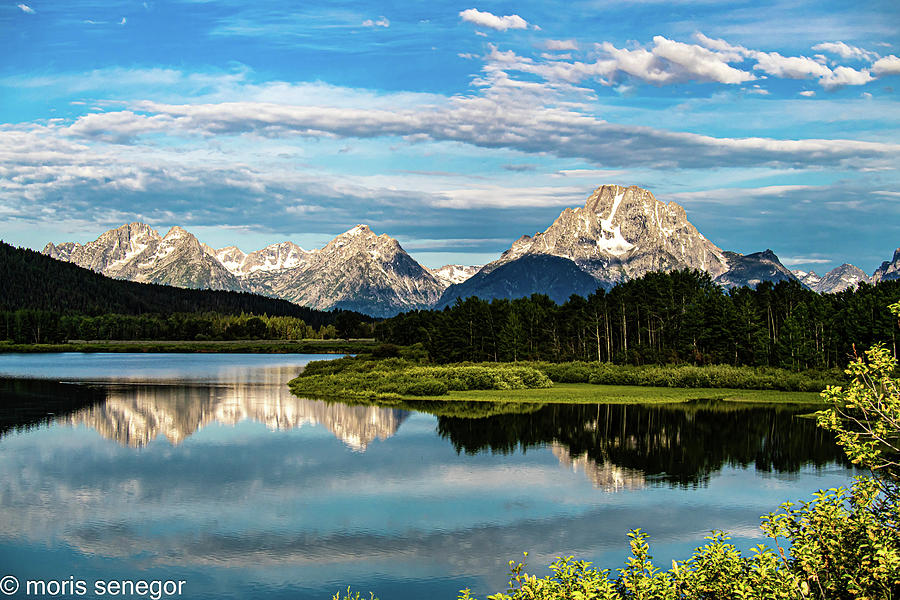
(455, 127)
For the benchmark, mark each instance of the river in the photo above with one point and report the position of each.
(203, 468)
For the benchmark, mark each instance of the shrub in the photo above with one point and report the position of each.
(386, 351)
(427, 386)
(364, 377)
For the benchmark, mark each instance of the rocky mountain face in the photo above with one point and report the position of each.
(619, 234)
(452, 274)
(889, 270)
(753, 269)
(358, 270)
(554, 276)
(808, 278)
(136, 252)
(277, 257)
(838, 279)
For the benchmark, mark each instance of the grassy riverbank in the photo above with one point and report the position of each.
(368, 379)
(312, 346)
(587, 393)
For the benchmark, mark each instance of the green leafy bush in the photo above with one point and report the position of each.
(688, 376)
(427, 386)
(840, 549)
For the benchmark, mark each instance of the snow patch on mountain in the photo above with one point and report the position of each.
(621, 233)
(838, 279)
(451, 274)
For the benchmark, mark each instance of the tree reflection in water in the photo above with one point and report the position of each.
(675, 444)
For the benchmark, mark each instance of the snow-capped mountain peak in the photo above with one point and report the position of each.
(231, 258)
(450, 274)
(837, 280)
(137, 252)
(619, 233)
(360, 270)
(360, 229)
(176, 232)
(272, 258)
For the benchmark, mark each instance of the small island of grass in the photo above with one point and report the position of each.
(409, 376)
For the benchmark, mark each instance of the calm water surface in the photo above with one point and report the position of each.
(204, 468)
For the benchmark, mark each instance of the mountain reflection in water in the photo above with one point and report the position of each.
(618, 447)
(135, 414)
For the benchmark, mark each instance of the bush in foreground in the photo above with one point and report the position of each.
(840, 549)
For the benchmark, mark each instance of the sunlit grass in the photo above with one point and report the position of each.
(586, 393)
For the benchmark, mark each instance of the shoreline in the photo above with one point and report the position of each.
(312, 346)
(584, 393)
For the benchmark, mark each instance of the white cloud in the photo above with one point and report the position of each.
(119, 127)
(845, 51)
(556, 56)
(846, 76)
(666, 62)
(739, 195)
(505, 197)
(734, 53)
(807, 93)
(791, 261)
(802, 67)
(380, 22)
(699, 62)
(595, 174)
(492, 21)
(561, 45)
(789, 67)
(799, 67)
(670, 62)
(889, 65)
(26, 9)
(486, 122)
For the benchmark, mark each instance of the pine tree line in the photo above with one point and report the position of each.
(661, 318)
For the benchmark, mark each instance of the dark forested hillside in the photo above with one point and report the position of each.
(36, 283)
(675, 317)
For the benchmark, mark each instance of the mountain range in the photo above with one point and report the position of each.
(620, 233)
